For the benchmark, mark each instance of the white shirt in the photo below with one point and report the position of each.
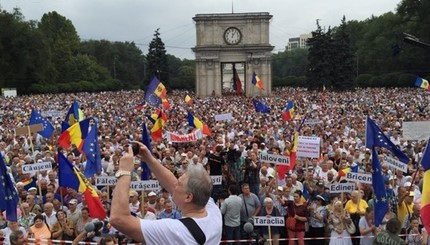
(172, 231)
(51, 220)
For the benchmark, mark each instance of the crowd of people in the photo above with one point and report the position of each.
(250, 187)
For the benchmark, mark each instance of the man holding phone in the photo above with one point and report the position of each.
(191, 193)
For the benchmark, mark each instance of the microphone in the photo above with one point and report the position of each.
(93, 226)
(248, 227)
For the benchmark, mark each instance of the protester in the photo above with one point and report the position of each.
(336, 118)
(40, 230)
(191, 194)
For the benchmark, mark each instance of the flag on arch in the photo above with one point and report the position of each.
(422, 83)
(288, 114)
(237, 84)
(36, 118)
(257, 81)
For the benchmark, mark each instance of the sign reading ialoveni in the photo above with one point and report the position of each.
(268, 221)
(276, 159)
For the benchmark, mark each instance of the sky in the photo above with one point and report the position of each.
(137, 20)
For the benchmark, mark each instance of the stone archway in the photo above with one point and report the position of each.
(232, 38)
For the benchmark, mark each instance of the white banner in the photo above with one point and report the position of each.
(223, 117)
(105, 181)
(216, 179)
(418, 130)
(33, 168)
(358, 177)
(145, 185)
(52, 113)
(342, 187)
(181, 138)
(268, 221)
(312, 121)
(276, 159)
(309, 147)
(396, 164)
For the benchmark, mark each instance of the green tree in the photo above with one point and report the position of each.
(24, 58)
(343, 60)
(157, 60)
(319, 66)
(63, 42)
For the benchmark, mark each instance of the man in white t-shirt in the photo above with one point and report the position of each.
(191, 193)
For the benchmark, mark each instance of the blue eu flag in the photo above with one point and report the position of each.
(380, 194)
(146, 172)
(8, 193)
(375, 137)
(36, 118)
(91, 149)
(260, 107)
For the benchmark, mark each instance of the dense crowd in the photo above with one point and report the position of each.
(250, 187)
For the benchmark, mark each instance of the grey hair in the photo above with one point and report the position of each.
(13, 237)
(199, 184)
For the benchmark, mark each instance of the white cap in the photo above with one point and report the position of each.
(151, 194)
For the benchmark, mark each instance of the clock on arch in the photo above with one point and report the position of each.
(232, 36)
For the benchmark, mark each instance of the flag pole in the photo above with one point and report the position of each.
(39, 187)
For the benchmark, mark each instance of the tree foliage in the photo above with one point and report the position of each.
(157, 60)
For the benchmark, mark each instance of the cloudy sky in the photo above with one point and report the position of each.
(136, 20)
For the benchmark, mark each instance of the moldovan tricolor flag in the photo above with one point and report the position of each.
(188, 100)
(75, 134)
(425, 198)
(257, 81)
(70, 176)
(196, 123)
(422, 83)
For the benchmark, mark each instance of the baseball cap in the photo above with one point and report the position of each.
(73, 201)
(32, 189)
(151, 194)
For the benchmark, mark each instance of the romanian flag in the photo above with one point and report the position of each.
(425, 198)
(73, 116)
(166, 104)
(196, 123)
(422, 83)
(69, 176)
(75, 134)
(257, 81)
(288, 114)
(157, 128)
(188, 100)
